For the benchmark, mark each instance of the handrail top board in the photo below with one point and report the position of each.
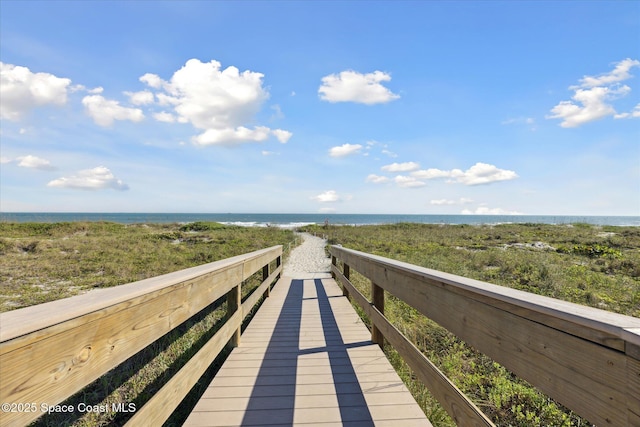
(23, 321)
(621, 326)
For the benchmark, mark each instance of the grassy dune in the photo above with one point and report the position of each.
(44, 262)
(589, 265)
(595, 266)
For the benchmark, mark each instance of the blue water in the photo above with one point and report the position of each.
(294, 220)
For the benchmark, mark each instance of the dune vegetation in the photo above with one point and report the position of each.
(41, 262)
(581, 263)
(590, 265)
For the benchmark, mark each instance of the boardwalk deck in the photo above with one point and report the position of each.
(307, 359)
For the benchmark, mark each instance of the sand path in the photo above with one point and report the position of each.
(308, 260)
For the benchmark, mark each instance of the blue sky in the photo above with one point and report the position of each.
(347, 107)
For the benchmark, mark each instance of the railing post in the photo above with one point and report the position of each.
(333, 262)
(265, 275)
(346, 272)
(234, 303)
(278, 262)
(377, 300)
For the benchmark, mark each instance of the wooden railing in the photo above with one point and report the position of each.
(585, 358)
(50, 351)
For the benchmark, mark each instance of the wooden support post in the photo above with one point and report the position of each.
(278, 262)
(265, 275)
(347, 273)
(234, 303)
(333, 262)
(377, 300)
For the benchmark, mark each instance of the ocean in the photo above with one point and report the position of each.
(297, 220)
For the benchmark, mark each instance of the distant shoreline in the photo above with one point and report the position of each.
(298, 220)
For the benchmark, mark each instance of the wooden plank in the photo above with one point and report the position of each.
(586, 377)
(633, 398)
(305, 358)
(45, 316)
(461, 409)
(163, 403)
(46, 364)
(259, 292)
(603, 327)
(256, 262)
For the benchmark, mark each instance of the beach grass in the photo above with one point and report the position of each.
(598, 266)
(591, 265)
(41, 262)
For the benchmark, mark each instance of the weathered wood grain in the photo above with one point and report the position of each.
(573, 353)
(461, 409)
(160, 407)
(51, 351)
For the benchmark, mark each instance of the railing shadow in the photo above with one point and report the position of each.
(273, 396)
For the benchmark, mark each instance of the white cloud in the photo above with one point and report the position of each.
(345, 150)
(408, 182)
(592, 98)
(389, 153)
(144, 97)
(98, 178)
(442, 202)
(401, 167)
(105, 111)
(220, 102)
(152, 80)
(231, 136)
(165, 117)
(483, 210)
(4, 160)
(377, 179)
(327, 196)
(432, 173)
(21, 90)
(619, 73)
(33, 162)
(351, 86)
(480, 173)
(593, 106)
(282, 135)
(633, 114)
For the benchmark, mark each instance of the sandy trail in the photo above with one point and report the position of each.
(308, 260)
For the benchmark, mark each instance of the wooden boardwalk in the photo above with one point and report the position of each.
(307, 359)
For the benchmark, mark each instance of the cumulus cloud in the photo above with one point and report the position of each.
(345, 150)
(282, 135)
(22, 90)
(592, 97)
(220, 102)
(401, 167)
(230, 136)
(98, 178)
(408, 182)
(480, 173)
(165, 117)
(327, 196)
(105, 111)
(351, 86)
(143, 97)
(33, 162)
(444, 202)
(377, 179)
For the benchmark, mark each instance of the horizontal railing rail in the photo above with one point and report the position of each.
(50, 351)
(585, 358)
